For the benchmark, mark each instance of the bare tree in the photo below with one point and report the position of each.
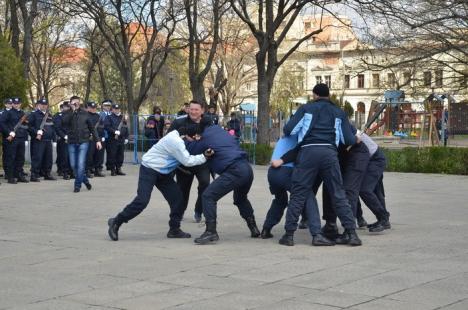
(139, 36)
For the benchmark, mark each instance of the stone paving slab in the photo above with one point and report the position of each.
(55, 253)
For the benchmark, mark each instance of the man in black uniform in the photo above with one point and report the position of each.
(41, 141)
(116, 127)
(194, 123)
(212, 115)
(62, 161)
(14, 140)
(8, 104)
(92, 161)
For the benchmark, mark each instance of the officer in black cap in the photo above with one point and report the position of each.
(62, 161)
(105, 111)
(14, 141)
(116, 127)
(92, 159)
(42, 134)
(8, 104)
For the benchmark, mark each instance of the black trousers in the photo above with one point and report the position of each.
(238, 177)
(62, 161)
(14, 157)
(372, 187)
(147, 179)
(41, 152)
(115, 154)
(315, 162)
(92, 157)
(185, 176)
(100, 155)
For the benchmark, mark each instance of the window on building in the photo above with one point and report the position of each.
(407, 77)
(427, 78)
(464, 80)
(375, 80)
(360, 81)
(346, 81)
(439, 77)
(318, 79)
(391, 80)
(307, 26)
(328, 80)
(247, 86)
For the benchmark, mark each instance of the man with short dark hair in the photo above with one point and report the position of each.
(62, 161)
(320, 126)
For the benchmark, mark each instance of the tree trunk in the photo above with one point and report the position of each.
(197, 89)
(15, 31)
(28, 19)
(263, 116)
(89, 75)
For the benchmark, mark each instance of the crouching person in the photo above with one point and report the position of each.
(156, 170)
(235, 174)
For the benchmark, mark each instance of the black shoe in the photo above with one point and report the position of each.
(197, 217)
(321, 240)
(177, 233)
(88, 186)
(382, 224)
(12, 181)
(113, 173)
(59, 173)
(119, 172)
(89, 175)
(330, 230)
(287, 239)
(113, 229)
(303, 224)
(76, 190)
(361, 222)
(98, 173)
(66, 176)
(266, 233)
(350, 237)
(254, 232)
(49, 177)
(209, 236)
(34, 178)
(21, 178)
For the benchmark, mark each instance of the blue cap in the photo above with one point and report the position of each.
(115, 106)
(16, 100)
(106, 102)
(42, 101)
(8, 101)
(91, 104)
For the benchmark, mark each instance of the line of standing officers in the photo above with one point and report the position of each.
(42, 130)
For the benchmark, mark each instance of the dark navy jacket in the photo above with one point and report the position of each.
(8, 121)
(227, 150)
(35, 120)
(95, 118)
(320, 122)
(59, 129)
(111, 124)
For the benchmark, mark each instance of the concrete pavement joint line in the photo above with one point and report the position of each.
(450, 304)
(402, 290)
(362, 278)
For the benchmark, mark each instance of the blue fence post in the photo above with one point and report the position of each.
(136, 161)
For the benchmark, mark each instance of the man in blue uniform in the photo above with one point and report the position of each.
(235, 174)
(320, 127)
(106, 107)
(62, 162)
(8, 105)
(14, 141)
(41, 141)
(116, 127)
(92, 160)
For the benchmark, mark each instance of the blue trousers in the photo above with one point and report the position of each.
(77, 155)
(315, 162)
(279, 180)
(238, 177)
(148, 178)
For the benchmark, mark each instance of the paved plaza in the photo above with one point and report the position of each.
(55, 253)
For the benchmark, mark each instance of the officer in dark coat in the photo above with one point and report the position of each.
(320, 126)
(116, 127)
(8, 105)
(14, 141)
(41, 141)
(154, 126)
(93, 159)
(106, 111)
(62, 161)
(235, 174)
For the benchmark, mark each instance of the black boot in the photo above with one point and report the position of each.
(89, 175)
(22, 179)
(114, 226)
(288, 238)
(12, 181)
(382, 224)
(321, 240)
(330, 230)
(119, 171)
(88, 186)
(98, 173)
(254, 232)
(209, 236)
(49, 177)
(361, 222)
(34, 177)
(177, 233)
(113, 173)
(66, 176)
(266, 233)
(350, 237)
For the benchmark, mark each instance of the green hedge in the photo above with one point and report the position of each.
(428, 160)
(262, 152)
